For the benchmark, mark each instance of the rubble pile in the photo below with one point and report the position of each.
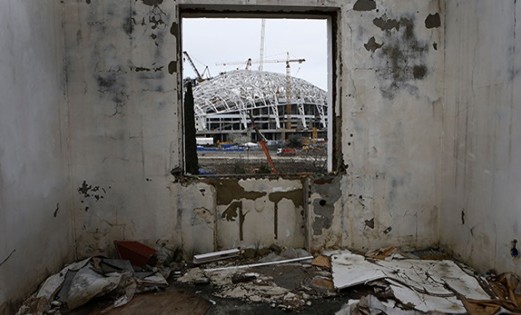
(384, 281)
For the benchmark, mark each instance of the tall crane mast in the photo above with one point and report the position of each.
(263, 31)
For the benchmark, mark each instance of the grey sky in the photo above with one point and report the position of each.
(211, 40)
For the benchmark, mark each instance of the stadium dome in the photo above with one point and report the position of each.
(227, 99)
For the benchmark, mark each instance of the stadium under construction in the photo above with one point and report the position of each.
(281, 106)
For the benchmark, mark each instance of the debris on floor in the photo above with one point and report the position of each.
(80, 282)
(220, 255)
(275, 280)
(440, 286)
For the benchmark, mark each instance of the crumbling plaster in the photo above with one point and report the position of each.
(480, 214)
(123, 72)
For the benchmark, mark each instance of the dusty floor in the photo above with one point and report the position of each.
(386, 281)
(192, 299)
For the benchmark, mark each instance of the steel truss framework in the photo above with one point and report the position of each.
(235, 93)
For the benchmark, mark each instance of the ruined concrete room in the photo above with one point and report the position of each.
(413, 144)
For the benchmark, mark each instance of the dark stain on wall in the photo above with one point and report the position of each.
(172, 67)
(364, 5)
(143, 69)
(88, 1)
(386, 24)
(229, 190)
(152, 2)
(323, 208)
(296, 196)
(372, 45)
(404, 57)
(323, 216)
(370, 223)
(113, 83)
(433, 21)
(232, 211)
(435, 46)
(90, 193)
(419, 72)
(128, 25)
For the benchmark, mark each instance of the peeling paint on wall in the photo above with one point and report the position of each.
(152, 2)
(404, 56)
(229, 190)
(386, 24)
(364, 5)
(433, 21)
(372, 45)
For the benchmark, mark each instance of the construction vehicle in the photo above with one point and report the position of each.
(262, 142)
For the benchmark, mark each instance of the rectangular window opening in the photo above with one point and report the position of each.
(257, 94)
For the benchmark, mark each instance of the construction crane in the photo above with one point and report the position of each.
(262, 142)
(249, 62)
(263, 31)
(200, 77)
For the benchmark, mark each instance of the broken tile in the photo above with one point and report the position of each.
(322, 283)
(428, 303)
(322, 261)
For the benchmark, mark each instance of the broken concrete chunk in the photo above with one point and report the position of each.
(322, 283)
(290, 253)
(194, 275)
(244, 277)
(322, 261)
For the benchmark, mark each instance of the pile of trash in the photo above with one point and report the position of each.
(307, 278)
(404, 284)
(80, 282)
(385, 281)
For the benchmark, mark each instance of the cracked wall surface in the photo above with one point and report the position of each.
(36, 234)
(480, 215)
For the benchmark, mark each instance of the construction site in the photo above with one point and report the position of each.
(172, 157)
(254, 117)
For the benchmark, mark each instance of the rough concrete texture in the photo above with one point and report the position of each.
(426, 123)
(123, 92)
(35, 196)
(480, 214)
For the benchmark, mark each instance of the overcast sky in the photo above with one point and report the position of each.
(210, 41)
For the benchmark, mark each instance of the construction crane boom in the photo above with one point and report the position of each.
(250, 62)
(199, 76)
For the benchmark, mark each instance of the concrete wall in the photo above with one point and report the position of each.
(481, 213)
(35, 197)
(123, 72)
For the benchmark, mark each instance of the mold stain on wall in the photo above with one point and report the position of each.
(402, 54)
